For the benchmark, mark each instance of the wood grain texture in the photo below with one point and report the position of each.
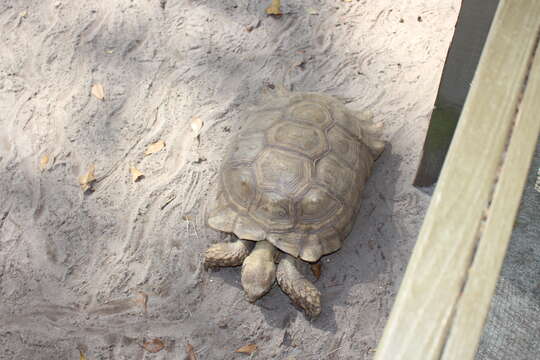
(463, 206)
(474, 304)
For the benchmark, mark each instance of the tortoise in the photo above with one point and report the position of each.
(291, 182)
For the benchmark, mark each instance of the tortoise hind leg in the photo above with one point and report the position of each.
(259, 270)
(227, 254)
(301, 291)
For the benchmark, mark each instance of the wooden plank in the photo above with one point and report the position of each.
(426, 305)
(441, 129)
(473, 305)
(472, 27)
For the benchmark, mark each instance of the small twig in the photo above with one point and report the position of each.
(336, 349)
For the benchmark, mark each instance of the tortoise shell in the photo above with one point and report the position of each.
(295, 173)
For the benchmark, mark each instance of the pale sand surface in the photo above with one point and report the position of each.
(73, 264)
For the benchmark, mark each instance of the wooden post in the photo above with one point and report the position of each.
(472, 28)
(445, 295)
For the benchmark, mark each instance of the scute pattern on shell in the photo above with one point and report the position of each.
(294, 175)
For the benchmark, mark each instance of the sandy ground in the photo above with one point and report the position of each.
(75, 268)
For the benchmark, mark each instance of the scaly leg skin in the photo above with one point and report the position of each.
(301, 291)
(227, 254)
(259, 271)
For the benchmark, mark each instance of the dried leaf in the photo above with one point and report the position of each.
(190, 352)
(312, 11)
(43, 162)
(142, 299)
(154, 345)
(274, 8)
(135, 173)
(98, 92)
(82, 355)
(196, 126)
(87, 179)
(316, 270)
(247, 349)
(155, 147)
(301, 64)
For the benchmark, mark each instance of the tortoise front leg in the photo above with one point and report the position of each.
(227, 254)
(259, 271)
(301, 291)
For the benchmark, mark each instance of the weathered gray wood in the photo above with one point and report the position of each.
(460, 245)
(439, 135)
(472, 27)
(473, 304)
